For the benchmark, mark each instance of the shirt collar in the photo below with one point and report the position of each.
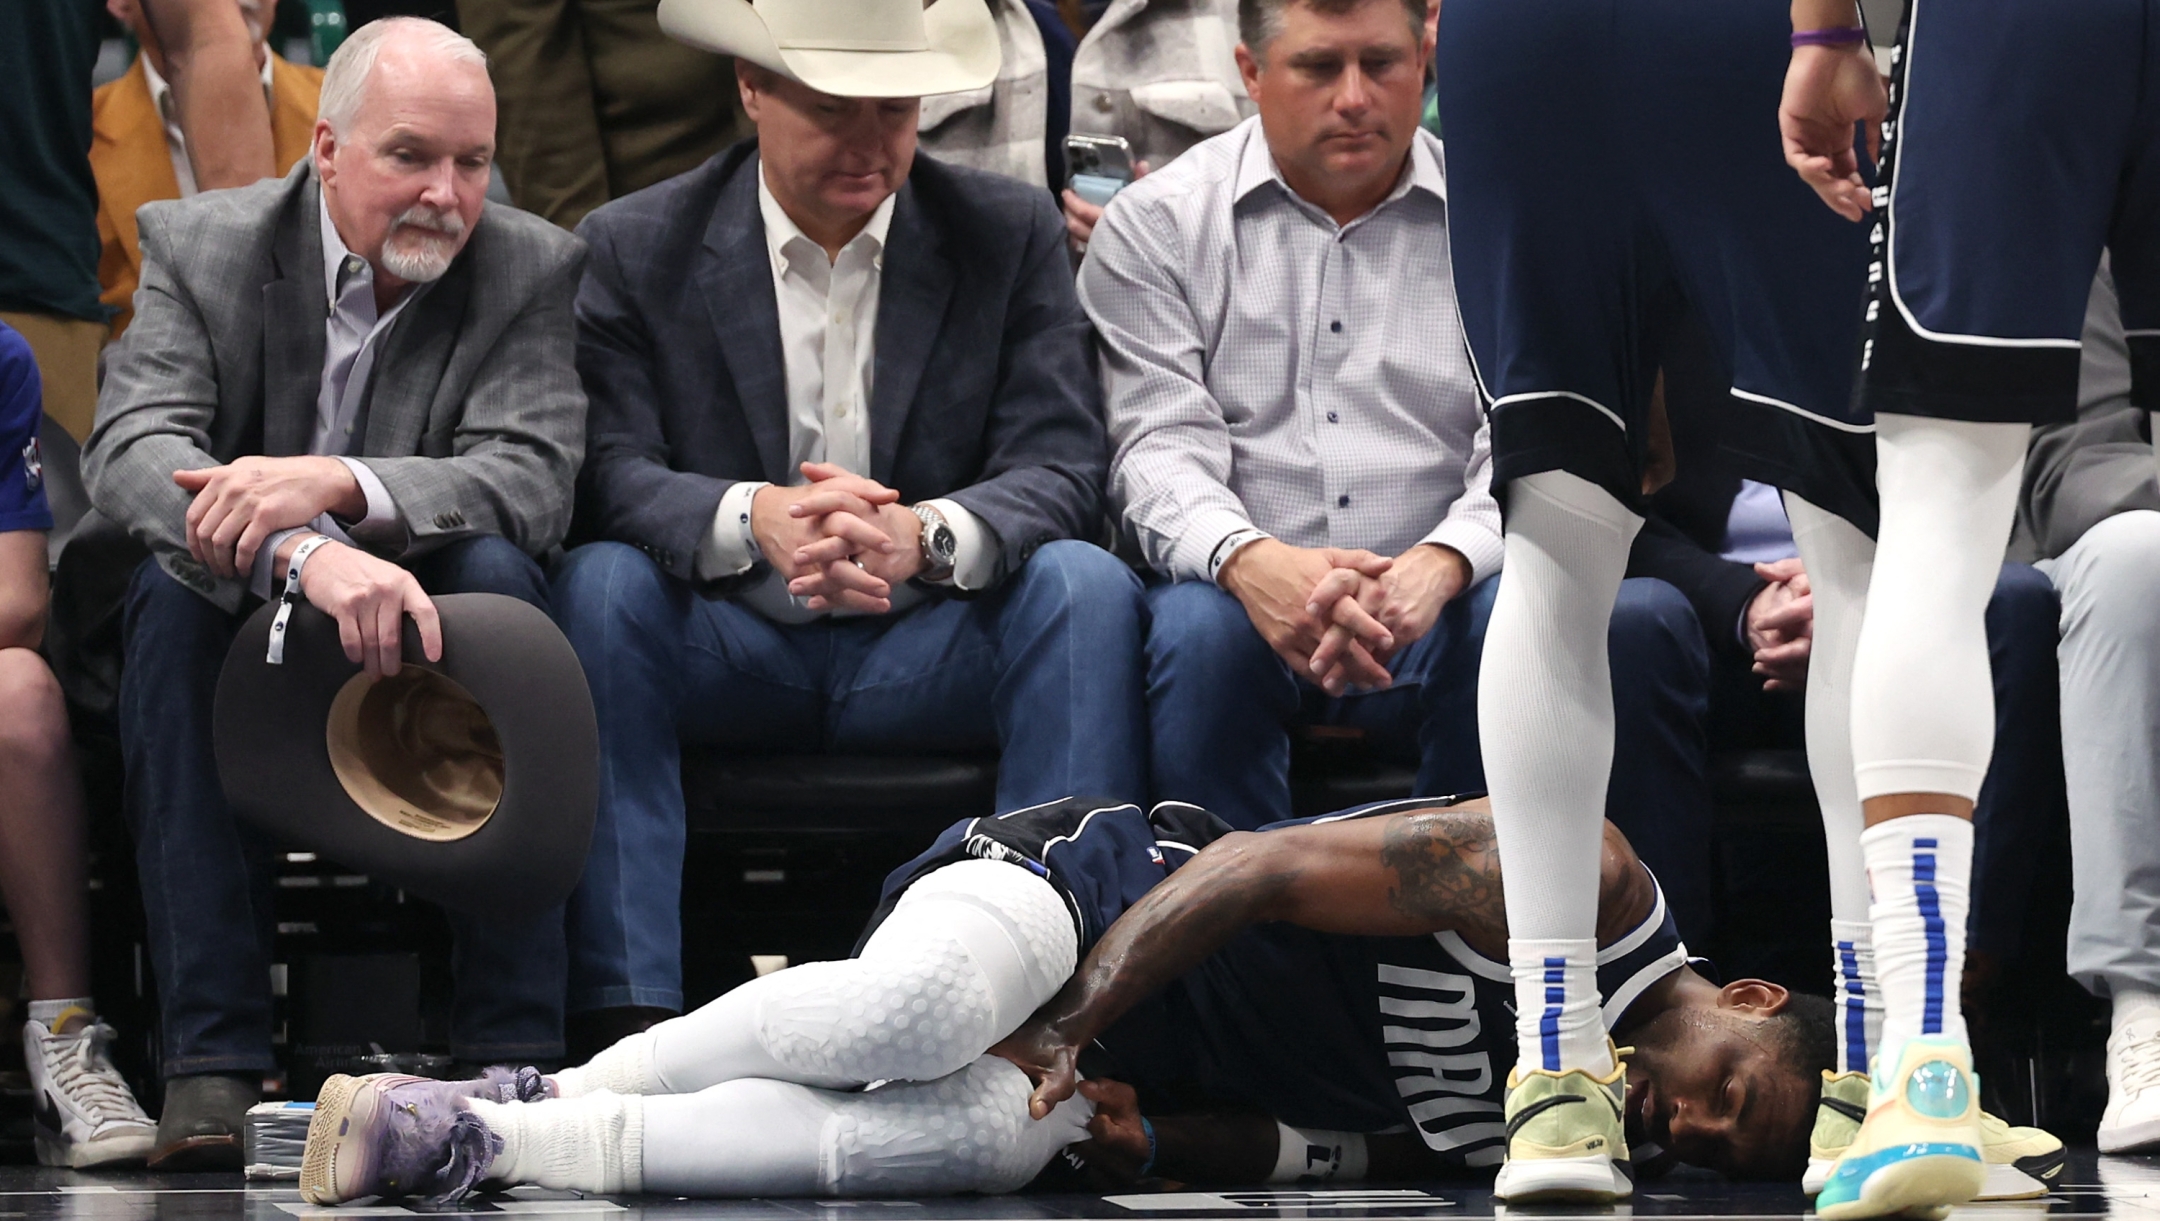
(1422, 172)
(335, 252)
(161, 89)
(781, 231)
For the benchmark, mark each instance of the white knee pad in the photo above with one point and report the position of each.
(966, 1132)
(967, 955)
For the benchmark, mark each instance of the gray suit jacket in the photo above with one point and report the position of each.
(475, 418)
(2079, 474)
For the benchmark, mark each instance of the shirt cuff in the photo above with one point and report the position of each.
(1200, 550)
(384, 523)
(1483, 548)
(976, 550)
(730, 547)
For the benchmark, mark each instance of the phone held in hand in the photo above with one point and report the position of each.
(1097, 167)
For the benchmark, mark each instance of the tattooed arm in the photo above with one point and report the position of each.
(1401, 875)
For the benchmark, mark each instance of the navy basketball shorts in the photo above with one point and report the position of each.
(1611, 163)
(2024, 139)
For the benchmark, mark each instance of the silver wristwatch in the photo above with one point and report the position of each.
(940, 545)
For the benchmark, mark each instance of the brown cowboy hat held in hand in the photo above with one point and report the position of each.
(471, 782)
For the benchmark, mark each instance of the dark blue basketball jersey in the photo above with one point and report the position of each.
(1319, 1030)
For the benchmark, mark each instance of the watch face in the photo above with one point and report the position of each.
(944, 544)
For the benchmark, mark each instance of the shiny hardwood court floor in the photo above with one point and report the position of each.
(2089, 1187)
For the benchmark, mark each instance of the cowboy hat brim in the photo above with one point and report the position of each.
(963, 52)
(270, 728)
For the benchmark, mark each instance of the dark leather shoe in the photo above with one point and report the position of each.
(595, 1030)
(203, 1119)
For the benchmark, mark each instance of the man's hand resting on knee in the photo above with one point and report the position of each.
(369, 598)
(1300, 597)
(1781, 626)
(240, 505)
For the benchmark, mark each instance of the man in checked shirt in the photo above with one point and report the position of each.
(1301, 457)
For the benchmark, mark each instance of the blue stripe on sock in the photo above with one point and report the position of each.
(1938, 943)
(1549, 1021)
(1855, 1002)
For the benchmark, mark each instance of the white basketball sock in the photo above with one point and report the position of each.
(1855, 990)
(1545, 714)
(595, 1143)
(1920, 868)
(1923, 713)
(1839, 559)
(626, 1067)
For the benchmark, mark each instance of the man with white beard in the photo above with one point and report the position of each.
(351, 385)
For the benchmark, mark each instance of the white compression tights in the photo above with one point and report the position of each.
(1923, 717)
(968, 953)
(1545, 714)
(743, 1096)
(1839, 558)
(968, 1131)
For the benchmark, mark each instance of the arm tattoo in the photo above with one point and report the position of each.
(1447, 871)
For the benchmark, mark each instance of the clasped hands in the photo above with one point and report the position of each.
(238, 506)
(1337, 615)
(842, 541)
(1780, 625)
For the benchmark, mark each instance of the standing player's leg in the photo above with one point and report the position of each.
(1552, 276)
(1984, 249)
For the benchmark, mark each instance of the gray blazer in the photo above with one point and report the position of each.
(475, 418)
(2081, 473)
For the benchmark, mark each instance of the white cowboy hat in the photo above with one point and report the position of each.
(849, 48)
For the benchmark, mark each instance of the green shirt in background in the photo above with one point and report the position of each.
(48, 200)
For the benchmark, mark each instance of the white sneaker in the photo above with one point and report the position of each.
(84, 1112)
(2131, 1123)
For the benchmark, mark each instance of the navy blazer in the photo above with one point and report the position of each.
(983, 390)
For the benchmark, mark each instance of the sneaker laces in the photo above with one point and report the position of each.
(2139, 1060)
(85, 1074)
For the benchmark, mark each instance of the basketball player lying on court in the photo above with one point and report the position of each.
(1338, 979)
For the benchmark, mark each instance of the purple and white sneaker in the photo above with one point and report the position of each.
(392, 1136)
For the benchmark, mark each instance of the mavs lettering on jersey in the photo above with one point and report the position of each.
(1444, 1072)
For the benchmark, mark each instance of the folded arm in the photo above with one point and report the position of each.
(1402, 875)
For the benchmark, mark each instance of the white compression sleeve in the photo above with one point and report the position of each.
(967, 1132)
(968, 953)
(1923, 697)
(1839, 558)
(1545, 714)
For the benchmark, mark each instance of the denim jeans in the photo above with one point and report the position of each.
(1045, 669)
(1222, 704)
(208, 883)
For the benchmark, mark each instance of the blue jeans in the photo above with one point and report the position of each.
(1222, 704)
(1045, 668)
(208, 883)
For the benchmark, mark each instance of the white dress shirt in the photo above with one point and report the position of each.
(352, 335)
(168, 108)
(828, 340)
(1267, 372)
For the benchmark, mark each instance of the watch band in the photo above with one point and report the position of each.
(937, 563)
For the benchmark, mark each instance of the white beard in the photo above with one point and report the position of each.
(422, 244)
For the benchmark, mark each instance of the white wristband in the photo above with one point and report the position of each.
(1311, 1156)
(290, 597)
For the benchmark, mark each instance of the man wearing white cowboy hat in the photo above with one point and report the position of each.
(843, 393)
